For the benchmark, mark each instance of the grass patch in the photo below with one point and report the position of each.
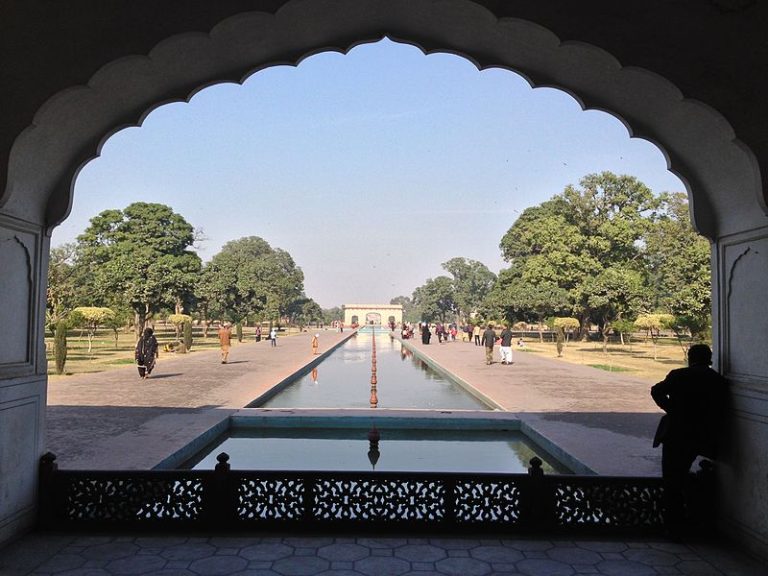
(120, 361)
(609, 368)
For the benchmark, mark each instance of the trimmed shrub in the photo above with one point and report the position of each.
(188, 335)
(60, 346)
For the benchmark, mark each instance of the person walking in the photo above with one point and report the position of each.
(258, 333)
(476, 334)
(488, 340)
(273, 336)
(146, 353)
(693, 399)
(505, 346)
(426, 335)
(315, 343)
(225, 340)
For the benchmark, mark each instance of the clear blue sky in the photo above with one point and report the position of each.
(371, 169)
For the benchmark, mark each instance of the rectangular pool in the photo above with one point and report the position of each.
(402, 450)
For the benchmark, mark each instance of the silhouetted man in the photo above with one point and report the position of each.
(693, 399)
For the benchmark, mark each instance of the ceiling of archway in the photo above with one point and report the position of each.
(67, 131)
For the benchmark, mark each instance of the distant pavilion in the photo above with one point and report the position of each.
(372, 314)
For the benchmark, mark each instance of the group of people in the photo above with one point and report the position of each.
(147, 348)
(504, 340)
(487, 338)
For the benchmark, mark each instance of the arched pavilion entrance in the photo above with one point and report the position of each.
(101, 70)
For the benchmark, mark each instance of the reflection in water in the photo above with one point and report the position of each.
(400, 384)
(373, 446)
(314, 375)
(391, 450)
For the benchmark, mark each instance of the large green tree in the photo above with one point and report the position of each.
(679, 267)
(574, 238)
(250, 278)
(141, 256)
(472, 280)
(434, 300)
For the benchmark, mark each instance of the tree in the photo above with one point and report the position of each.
(581, 233)
(679, 268)
(614, 294)
(472, 281)
(515, 298)
(434, 299)
(90, 318)
(624, 328)
(62, 291)
(567, 325)
(118, 321)
(141, 253)
(410, 312)
(653, 323)
(304, 311)
(331, 315)
(250, 278)
(178, 321)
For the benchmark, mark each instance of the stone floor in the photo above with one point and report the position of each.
(162, 555)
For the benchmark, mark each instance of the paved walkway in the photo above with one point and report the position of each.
(115, 420)
(605, 420)
(258, 555)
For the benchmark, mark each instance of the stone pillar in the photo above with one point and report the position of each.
(23, 269)
(741, 338)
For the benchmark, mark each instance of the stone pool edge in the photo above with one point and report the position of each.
(414, 419)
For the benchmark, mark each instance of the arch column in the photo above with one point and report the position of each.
(740, 335)
(23, 382)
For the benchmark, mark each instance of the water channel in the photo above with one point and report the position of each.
(343, 380)
(341, 441)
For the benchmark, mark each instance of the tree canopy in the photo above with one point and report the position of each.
(435, 299)
(140, 256)
(472, 281)
(585, 244)
(250, 278)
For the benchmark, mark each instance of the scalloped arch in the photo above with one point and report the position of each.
(721, 174)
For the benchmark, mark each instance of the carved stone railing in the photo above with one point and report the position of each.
(234, 499)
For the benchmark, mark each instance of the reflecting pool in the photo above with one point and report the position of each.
(343, 380)
(493, 451)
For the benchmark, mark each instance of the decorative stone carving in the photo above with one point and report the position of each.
(745, 266)
(16, 284)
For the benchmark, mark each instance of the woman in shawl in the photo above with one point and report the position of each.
(146, 352)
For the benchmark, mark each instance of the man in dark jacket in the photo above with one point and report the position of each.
(488, 340)
(693, 399)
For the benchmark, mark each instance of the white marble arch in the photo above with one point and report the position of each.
(722, 177)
